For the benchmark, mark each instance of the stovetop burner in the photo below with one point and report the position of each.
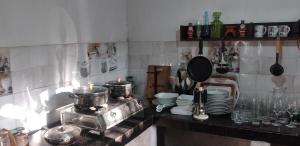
(88, 110)
(100, 118)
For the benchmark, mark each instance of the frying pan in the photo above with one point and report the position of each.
(276, 69)
(199, 68)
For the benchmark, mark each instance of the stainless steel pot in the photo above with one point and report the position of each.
(119, 89)
(87, 96)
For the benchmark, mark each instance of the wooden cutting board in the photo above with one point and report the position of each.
(159, 77)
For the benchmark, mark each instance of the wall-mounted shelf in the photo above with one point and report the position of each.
(294, 33)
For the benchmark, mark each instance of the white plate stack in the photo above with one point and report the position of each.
(218, 102)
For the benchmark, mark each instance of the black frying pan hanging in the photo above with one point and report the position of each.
(199, 68)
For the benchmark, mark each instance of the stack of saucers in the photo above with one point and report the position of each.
(184, 105)
(218, 102)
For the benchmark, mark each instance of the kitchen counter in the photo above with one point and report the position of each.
(118, 135)
(224, 126)
(127, 130)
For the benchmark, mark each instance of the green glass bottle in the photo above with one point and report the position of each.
(216, 26)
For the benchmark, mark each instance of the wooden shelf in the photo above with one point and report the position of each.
(244, 39)
(294, 33)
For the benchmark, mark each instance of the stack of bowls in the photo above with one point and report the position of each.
(218, 102)
(166, 98)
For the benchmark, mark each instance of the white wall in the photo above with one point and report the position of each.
(36, 22)
(158, 20)
(40, 76)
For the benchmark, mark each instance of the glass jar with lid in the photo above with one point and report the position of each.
(21, 138)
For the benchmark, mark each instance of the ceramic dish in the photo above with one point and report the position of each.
(166, 98)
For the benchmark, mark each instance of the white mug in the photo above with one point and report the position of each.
(284, 30)
(272, 31)
(260, 30)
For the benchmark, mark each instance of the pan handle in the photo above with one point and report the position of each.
(200, 47)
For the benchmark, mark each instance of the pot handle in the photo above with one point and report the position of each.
(72, 95)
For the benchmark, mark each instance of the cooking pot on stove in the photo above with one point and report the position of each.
(119, 89)
(90, 96)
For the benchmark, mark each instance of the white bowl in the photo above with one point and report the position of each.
(166, 98)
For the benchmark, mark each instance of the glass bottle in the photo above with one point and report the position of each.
(190, 31)
(242, 29)
(216, 25)
(205, 32)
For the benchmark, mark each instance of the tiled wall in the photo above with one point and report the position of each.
(39, 73)
(256, 59)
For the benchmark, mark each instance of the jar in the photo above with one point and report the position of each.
(4, 138)
(21, 138)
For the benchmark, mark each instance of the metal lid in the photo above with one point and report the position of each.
(62, 135)
(120, 83)
(90, 89)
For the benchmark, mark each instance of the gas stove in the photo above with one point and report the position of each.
(98, 119)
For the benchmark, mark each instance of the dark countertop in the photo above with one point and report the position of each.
(118, 135)
(127, 130)
(224, 126)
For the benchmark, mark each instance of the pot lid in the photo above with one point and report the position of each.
(64, 134)
(118, 83)
(89, 89)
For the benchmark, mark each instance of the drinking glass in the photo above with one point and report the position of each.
(256, 112)
(277, 110)
(266, 117)
(292, 107)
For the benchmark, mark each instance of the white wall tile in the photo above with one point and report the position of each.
(289, 65)
(8, 123)
(249, 65)
(266, 51)
(21, 80)
(248, 51)
(140, 48)
(20, 58)
(247, 81)
(290, 52)
(264, 65)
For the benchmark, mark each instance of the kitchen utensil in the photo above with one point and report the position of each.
(199, 68)
(223, 65)
(276, 69)
(90, 96)
(119, 89)
(62, 135)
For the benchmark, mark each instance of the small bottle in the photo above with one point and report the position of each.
(242, 29)
(198, 30)
(190, 31)
(205, 32)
